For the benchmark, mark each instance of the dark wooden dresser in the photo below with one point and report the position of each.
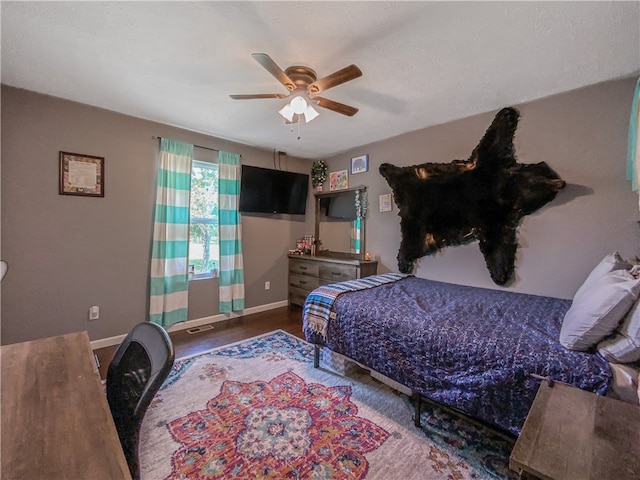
(307, 273)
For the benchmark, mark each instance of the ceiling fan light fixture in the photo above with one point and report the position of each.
(310, 113)
(287, 112)
(299, 105)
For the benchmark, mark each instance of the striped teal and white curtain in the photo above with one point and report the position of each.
(355, 229)
(355, 234)
(169, 258)
(633, 151)
(230, 228)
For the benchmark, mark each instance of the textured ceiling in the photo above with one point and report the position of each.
(423, 63)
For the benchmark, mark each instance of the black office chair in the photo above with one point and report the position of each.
(138, 368)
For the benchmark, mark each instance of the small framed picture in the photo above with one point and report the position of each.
(385, 202)
(338, 180)
(360, 164)
(81, 175)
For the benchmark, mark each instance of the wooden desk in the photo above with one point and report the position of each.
(56, 422)
(576, 435)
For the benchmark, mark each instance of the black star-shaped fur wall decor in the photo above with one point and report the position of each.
(483, 198)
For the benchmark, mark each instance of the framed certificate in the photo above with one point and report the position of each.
(81, 175)
(385, 202)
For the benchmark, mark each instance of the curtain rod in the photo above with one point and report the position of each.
(199, 146)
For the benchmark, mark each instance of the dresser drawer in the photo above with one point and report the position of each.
(303, 281)
(297, 296)
(337, 273)
(304, 267)
(308, 273)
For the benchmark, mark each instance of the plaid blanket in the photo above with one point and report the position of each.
(317, 308)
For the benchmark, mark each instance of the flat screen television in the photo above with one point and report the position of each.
(264, 190)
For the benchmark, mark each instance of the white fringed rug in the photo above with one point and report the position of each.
(258, 409)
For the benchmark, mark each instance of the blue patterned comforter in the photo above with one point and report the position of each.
(467, 347)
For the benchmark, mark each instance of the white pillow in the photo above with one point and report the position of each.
(624, 345)
(609, 263)
(598, 310)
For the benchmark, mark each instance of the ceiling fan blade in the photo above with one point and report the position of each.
(271, 67)
(336, 78)
(258, 95)
(335, 106)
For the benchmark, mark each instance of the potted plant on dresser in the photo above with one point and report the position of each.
(318, 174)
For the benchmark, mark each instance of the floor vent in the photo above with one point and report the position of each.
(201, 328)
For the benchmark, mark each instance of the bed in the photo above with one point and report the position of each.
(474, 349)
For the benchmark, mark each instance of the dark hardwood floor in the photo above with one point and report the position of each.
(288, 319)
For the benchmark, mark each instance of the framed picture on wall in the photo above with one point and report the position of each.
(360, 164)
(81, 174)
(385, 202)
(338, 180)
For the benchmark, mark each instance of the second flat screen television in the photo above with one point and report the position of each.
(264, 190)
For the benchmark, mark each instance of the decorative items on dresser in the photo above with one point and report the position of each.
(318, 174)
(308, 272)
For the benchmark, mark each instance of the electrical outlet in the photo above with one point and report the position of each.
(94, 312)
(267, 285)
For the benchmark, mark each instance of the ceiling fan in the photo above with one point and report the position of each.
(303, 82)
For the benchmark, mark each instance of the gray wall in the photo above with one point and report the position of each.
(582, 135)
(67, 253)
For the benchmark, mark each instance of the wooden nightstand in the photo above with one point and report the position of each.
(576, 435)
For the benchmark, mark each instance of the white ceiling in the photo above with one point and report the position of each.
(423, 63)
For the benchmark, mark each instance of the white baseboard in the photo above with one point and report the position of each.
(221, 317)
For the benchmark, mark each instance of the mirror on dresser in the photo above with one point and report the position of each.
(340, 223)
(340, 249)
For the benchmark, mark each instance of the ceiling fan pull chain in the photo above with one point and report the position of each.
(298, 127)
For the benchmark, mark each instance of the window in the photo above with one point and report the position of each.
(204, 245)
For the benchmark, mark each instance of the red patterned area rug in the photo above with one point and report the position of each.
(258, 409)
